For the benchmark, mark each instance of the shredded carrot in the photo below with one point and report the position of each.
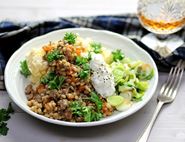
(78, 51)
(47, 48)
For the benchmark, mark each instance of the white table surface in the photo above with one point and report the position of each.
(170, 125)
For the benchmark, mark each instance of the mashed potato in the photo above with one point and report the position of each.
(80, 42)
(36, 64)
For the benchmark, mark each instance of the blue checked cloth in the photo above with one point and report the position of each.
(13, 35)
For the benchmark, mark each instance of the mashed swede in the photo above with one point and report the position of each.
(36, 64)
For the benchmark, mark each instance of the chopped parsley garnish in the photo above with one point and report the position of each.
(52, 80)
(76, 108)
(89, 57)
(52, 84)
(86, 66)
(117, 55)
(70, 38)
(84, 73)
(85, 69)
(24, 68)
(3, 128)
(5, 116)
(46, 78)
(81, 60)
(95, 116)
(56, 83)
(94, 98)
(97, 47)
(87, 112)
(53, 55)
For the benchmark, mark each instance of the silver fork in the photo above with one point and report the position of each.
(167, 94)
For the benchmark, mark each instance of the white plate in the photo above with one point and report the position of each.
(15, 82)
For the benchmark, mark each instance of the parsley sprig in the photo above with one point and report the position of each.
(24, 68)
(85, 69)
(87, 112)
(81, 60)
(96, 47)
(117, 55)
(4, 117)
(85, 72)
(94, 98)
(70, 38)
(52, 80)
(53, 55)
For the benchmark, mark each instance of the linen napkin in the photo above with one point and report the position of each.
(14, 34)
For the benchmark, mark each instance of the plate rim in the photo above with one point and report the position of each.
(80, 124)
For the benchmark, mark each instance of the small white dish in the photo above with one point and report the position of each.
(15, 82)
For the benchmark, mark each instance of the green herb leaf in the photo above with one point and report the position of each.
(83, 74)
(94, 98)
(96, 116)
(52, 80)
(3, 128)
(70, 38)
(76, 108)
(53, 84)
(5, 116)
(89, 56)
(60, 81)
(117, 55)
(24, 68)
(46, 78)
(86, 112)
(80, 60)
(5, 113)
(86, 66)
(56, 83)
(97, 47)
(53, 55)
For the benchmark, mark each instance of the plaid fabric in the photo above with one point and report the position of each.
(13, 35)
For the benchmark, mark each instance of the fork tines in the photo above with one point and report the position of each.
(171, 86)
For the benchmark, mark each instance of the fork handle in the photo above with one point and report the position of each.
(144, 136)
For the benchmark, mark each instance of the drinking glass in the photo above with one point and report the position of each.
(162, 18)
